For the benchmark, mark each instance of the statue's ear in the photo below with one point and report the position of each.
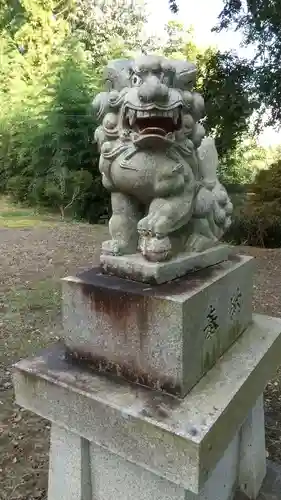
(185, 75)
(117, 74)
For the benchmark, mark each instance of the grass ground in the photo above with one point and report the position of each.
(36, 252)
(14, 216)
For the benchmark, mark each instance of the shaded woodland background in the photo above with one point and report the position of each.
(52, 55)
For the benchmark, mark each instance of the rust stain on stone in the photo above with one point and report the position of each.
(121, 308)
(130, 373)
(98, 279)
(57, 362)
(129, 305)
(160, 405)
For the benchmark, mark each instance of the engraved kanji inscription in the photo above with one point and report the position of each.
(235, 303)
(212, 323)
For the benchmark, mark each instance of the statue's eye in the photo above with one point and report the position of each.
(136, 80)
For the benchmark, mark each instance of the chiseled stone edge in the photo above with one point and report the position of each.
(173, 434)
(135, 267)
(271, 487)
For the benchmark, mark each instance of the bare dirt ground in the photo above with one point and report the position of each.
(32, 261)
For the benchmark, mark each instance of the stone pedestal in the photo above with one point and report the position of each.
(166, 336)
(137, 268)
(111, 439)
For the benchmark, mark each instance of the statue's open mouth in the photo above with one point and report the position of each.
(153, 121)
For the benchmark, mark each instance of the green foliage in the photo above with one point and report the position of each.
(52, 54)
(241, 165)
(47, 151)
(260, 23)
(260, 222)
(226, 84)
(64, 185)
(108, 29)
(266, 198)
(177, 38)
(228, 93)
(180, 44)
(51, 157)
(254, 231)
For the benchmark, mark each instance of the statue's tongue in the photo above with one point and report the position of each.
(155, 125)
(154, 131)
(153, 138)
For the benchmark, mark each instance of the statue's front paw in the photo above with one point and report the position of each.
(157, 225)
(146, 226)
(114, 247)
(199, 243)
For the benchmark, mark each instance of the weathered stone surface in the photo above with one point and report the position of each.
(105, 475)
(135, 267)
(166, 336)
(252, 463)
(157, 162)
(91, 471)
(69, 466)
(114, 477)
(180, 440)
(271, 488)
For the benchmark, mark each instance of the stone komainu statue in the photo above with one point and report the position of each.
(156, 161)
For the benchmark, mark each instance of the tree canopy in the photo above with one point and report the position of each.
(260, 23)
(52, 55)
(173, 6)
(226, 83)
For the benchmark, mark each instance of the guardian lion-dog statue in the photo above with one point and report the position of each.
(157, 162)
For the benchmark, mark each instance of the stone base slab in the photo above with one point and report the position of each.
(181, 441)
(165, 336)
(271, 488)
(137, 268)
(89, 469)
(84, 470)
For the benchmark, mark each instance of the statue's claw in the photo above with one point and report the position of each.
(146, 225)
(115, 247)
(155, 224)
